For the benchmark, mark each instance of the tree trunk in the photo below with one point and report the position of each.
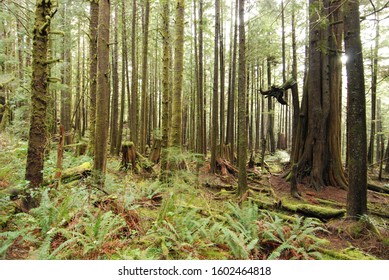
(133, 111)
(215, 102)
(356, 115)
(125, 78)
(165, 88)
(242, 128)
(115, 85)
(39, 82)
(317, 146)
(144, 109)
(66, 93)
(176, 128)
(230, 137)
(270, 110)
(94, 21)
(103, 92)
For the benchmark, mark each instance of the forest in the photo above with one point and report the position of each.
(194, 129)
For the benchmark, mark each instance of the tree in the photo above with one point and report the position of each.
(215, 103)
(103, 92)
(115, 86)
(66, 92)
(44, 12)
(93, 24)
(176, 128)
(317, 144)
(242, 128)
(133, 105)
(356, 113)
(165, 87)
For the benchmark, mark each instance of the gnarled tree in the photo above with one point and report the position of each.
(317, 146)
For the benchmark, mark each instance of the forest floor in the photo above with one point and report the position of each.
(196, 216)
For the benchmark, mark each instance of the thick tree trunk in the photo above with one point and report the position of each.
(317, 146)
(356, 113)
(39, 82)
(103, 92)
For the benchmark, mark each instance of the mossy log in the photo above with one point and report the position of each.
(320, 212)
(377, 188)
(77, 172)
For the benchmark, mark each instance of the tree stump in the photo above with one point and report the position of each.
(128, 156)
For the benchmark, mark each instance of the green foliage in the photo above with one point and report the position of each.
(175, 230)
(240, 230)
(290, 241)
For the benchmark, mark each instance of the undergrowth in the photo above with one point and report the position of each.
(142, 219)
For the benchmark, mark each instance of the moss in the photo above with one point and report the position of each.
(350, 253)
(313, 210)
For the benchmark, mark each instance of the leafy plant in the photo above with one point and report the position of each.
(290, 241)
(240, 230)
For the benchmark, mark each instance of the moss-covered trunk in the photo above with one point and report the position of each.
(94, 20)
(39, 82)
(165, 87)
(176, 128)
(103, 91)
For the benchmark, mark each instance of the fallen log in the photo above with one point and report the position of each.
(376, 188)
(77, 172)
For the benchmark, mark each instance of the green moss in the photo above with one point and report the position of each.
(350, 253)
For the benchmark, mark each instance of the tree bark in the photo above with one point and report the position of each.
(115, 85)
(176, 128)
(356, 113)
(242, 126)
(317, 146)
(165, 88)
(39, 82)
(103, 92)
(94, 21)
(215, 101)
(144, 109)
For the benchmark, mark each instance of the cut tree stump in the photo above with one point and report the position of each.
(133, 160)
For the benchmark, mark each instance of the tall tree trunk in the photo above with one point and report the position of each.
(125, 80)
(317, 149)
(103, 92)
(39, 82)
(176, 128)
(133, 112)
(295, 95)
(115, 85)
(144, 109)
(215, 101)
(202, 142)
(356, 115)
(242, 128)
(165, 87)
(66, 93)
(93, 24)
(230, 137)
